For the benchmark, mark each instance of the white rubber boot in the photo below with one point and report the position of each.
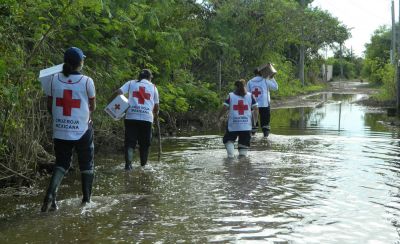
(230, 149)
(243, 152)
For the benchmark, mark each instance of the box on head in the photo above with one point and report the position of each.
(267, 70)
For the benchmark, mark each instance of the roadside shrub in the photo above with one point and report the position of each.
(388, 88)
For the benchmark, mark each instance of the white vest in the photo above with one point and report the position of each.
(259, 87)
(70, 108)
(141, 100)
(239, 112)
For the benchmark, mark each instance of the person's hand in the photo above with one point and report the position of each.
(271, 76)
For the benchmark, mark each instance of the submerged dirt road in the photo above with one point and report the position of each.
(312, 100)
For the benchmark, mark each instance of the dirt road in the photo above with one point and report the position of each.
(311, 100)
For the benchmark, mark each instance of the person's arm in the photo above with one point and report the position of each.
(92, 104)
(271, 83)
(120, 91)
(156, 109)
(115, 94)
(50, 104)
(224, 108)
(222, 111)
(254, 111)
(48, 90)
(91, 92)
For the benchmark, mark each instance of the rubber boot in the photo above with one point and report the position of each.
(144, 154)
(230, 149)
(243, 152)
(87, 182)
(266, 130)
(129, 153)
(50, 198)
(253, 130)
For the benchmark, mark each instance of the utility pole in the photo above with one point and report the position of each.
(351, 53)
(397, 63)
(326, 65)
(219, 67)
(341, 61)
(302, 48)
(393, 51)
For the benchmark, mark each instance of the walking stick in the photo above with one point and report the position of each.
(159, 138)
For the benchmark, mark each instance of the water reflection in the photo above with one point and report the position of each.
(338, 115)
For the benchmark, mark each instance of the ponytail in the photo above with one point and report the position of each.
(240, 87)
(67, 69)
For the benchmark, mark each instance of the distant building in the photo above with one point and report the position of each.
(327, 74)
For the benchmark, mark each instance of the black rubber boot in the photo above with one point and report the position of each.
(144, 154)
(50, 202)
(87, 182)
(266, 133)
(266, 130)
(129, 152)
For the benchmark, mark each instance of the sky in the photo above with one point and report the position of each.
(363, 16)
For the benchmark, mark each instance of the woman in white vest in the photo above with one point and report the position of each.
(71, 99)
(260, 86)
(240, 105)
(143, 107)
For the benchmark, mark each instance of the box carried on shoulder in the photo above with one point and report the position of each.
(46, 74)
(117, 108)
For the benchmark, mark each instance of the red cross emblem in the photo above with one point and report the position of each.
(240, 107)
(256, 92)
(117, 106)
(141, 95)
(67, 103)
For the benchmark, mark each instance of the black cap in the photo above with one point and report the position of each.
(145, 74)
(73, 56)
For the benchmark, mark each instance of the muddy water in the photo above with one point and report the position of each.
(319, 178)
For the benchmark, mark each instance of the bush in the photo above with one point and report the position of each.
(388, 89)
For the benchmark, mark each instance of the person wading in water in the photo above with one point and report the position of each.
(260, 86)
(143, 109)
(71, 100)
(240, 105)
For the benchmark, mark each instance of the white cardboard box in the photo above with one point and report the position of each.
(116, 109)
(46, 74)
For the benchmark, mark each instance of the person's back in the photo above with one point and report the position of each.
(71, 99)
(70, 108)
(142, 97)
(259, 86)
(143, 108)
(240, 105)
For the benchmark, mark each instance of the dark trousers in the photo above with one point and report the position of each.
(265, 117)
(137, 132)
(244, 138)
(84, 148)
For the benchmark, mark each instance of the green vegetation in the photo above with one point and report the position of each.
(377, 67)
(188, 45)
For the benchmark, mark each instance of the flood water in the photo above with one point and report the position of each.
(326, 175)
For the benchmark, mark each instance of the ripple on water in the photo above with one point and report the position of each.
(334, 187)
